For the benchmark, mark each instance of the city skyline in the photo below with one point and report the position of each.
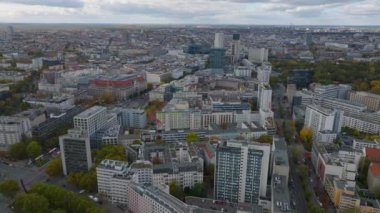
(245, 12)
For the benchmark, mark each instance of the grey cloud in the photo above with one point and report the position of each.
(52, 3)
(372, 8)
(297, 2)
(158, 10)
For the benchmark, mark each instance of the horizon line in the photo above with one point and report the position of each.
(184, 24)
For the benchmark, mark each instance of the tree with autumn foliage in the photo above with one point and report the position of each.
(306, 135)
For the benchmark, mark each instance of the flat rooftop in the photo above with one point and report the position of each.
(90, 112)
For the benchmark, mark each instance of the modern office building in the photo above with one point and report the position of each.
(91, 120)
(12, 129)
(241, 171)
(196, 48)
(134, 118)
(219, 41)
(216, 58)
(10, 33)
(95, 120)
(75, 151)
(258, 55)
(235, 48)
(55, 122)
(308, 39)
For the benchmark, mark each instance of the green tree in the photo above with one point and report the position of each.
(352, 210)
(18, 151)
(31, 203)
(113, 152)
(33, 149)
(265, 139)
(58, 211)
(84, 180)
(198, 190)
(136, 142)
(363, 170)
(253, 104)
(9, 188)
(54, 168)
(295, 154)
(192, 137)
(149, 86)
(273, 81)
(63, 199)
(74, 178)
(159, 141)
(312, 208)
(303, 172)
(210, 175)
(176, 190)
(89, 181)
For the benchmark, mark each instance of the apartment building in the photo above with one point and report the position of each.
(372, 101)
(12, 129)
(321, 119)
(241, 171)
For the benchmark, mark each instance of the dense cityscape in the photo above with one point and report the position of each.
(189, 118)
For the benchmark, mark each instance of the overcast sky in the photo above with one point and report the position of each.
(276, 12)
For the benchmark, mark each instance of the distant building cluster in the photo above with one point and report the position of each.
(199, 107)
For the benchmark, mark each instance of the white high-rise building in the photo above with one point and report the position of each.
(92, 119)
(219, 41)
(321, 119)
(113, 177)
(105, 171)
(241, 172)
(265, 97)
(258, 55)
(263, 73)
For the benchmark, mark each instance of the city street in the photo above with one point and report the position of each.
(296, 191)
(313, 181)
